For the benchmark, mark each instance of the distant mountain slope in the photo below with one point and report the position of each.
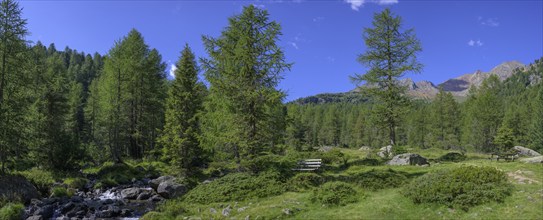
(458, 86)
(345, 97)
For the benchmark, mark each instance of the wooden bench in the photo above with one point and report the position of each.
(308, 165)
(506, 157)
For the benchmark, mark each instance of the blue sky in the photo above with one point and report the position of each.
(322, 38)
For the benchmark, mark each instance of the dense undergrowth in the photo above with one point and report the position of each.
(462, 187)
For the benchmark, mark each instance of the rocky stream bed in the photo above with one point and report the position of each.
(127, 202)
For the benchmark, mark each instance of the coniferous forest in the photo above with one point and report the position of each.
(75, 125)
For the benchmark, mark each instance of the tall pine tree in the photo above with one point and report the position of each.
(243, 69)
(183, 106)
(391, 53)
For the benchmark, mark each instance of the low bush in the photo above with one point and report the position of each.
(12, 211)
(41, 179)
(366, 162)
(76, 183)
(397, 150)
(379, 179)
(110, 174)
(462, 187)
(61, 192)
(452, 157)
(334, 156)
(271, 163)
(304, 181)
(237, 187)
(335, 194)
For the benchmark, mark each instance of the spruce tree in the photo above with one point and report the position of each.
(13, 32)
(183, 106)
(391, 53)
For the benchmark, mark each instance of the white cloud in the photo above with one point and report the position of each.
(330, 59)
(261, 6)
(473, 43)
(293, 44)
(387, 2)
(491, 22)
(356, 4)
(172, 70)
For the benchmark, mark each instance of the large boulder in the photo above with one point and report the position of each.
(171, 189)
(522, 151)
(408, 159)
(532, 160)
(156, 182)
(17, 188)
(385, 152)
(130, 193)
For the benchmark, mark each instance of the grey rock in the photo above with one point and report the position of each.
(364, 148)
(46, 211)
(242, 208)
(213, 211)
(532, 160)
(287, 211)
(17, 188)
(522, 151)
(67, 207)
(130, 193)
(226, 211)
(408, 159)
(385, 152)
(35, 217)
(156, 182)
(144, 196)
(156, 198)
(171, 189)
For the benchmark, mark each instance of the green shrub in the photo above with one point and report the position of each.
(334, 156)
(379, 179)
(452, 157)
(110, 174)
(462, 187)
(271, 163)
(304, 181)
(366, 162)
(76, 183)
(12, 211)
(61, 192)
(41, 179)
(236, 187)
(396, 150)
(334, 194)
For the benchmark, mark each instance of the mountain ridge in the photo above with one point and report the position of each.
(424, 89)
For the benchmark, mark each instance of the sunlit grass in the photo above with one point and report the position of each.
(526, 201)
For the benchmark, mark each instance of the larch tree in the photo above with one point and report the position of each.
(183, 105)
(390, 54)
(244, 67)
(130, 94)
(444, 126)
